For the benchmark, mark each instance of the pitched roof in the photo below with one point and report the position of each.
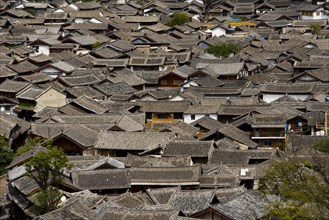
(80, 80)
(25, 156)
(239, 157)
(268, 121)
(186, 148)
(91, 105)
(13, 86)
(182, 129)
(23, 67)
(6, 72)
(101, 179)
(115, 88)
(30, 94)
(236, 134)
(292, 88)
(169, 176)
(163, 106)
(249, 205)
(36, 78)
(142, 19)
(111, 140)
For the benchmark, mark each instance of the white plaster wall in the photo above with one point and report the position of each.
(43, 49)
(51, 98)
(148, 98)
(218, 32)
(268, 98)
(188, 120)
(176, 98)
(52, 72)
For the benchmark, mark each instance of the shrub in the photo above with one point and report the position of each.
(223, 50)
(178, 19)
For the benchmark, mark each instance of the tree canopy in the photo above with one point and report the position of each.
(45, 168)
(300, 184)
(178, 19)
(6, 155)
(29, 145)
(224, 50)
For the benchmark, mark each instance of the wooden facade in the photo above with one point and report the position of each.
(68, 146)
(171, 80)
(269, 137)
(162, 118)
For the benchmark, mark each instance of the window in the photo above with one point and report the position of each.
(164, 82)
(177, 116)
(177, 82)
(306, 13)
(148, 115)
(162, 116)
(318, 14)
(192, 117)
(268, 143)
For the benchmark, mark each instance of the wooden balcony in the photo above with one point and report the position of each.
(268, 135)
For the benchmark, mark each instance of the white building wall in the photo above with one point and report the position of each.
(148, 98)
(43, 49)
(52, 72)
(318, 14)
(176, 98)
(189, 120)
(268, 98)
(216, 32)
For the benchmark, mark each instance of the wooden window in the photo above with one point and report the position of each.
(177, 82)
(192, 117)
(164, 82)
(177, 116)
(162, 116)
(148, 115)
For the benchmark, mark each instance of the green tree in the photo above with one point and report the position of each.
(178, 19)
(322, 145)
(300, 184)
(29, 145)
(45, 168)
(6, 154)
(316, 28)
(224, 50)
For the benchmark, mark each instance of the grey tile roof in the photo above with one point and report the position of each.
(182, 129)
(90, 105)
(249, 205)
(23, 67)
(186, 148)
(6, 72)
(236, 134)
(13, 86)
(140, 141)
(30, 94)
(36, 78)
(295, 88)
(80, 80)
(101, 179)
(115, 88)
(137, 161)
(171, 176)
(25, 156)
(239, 157)
(190, 202)
(164, 106)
